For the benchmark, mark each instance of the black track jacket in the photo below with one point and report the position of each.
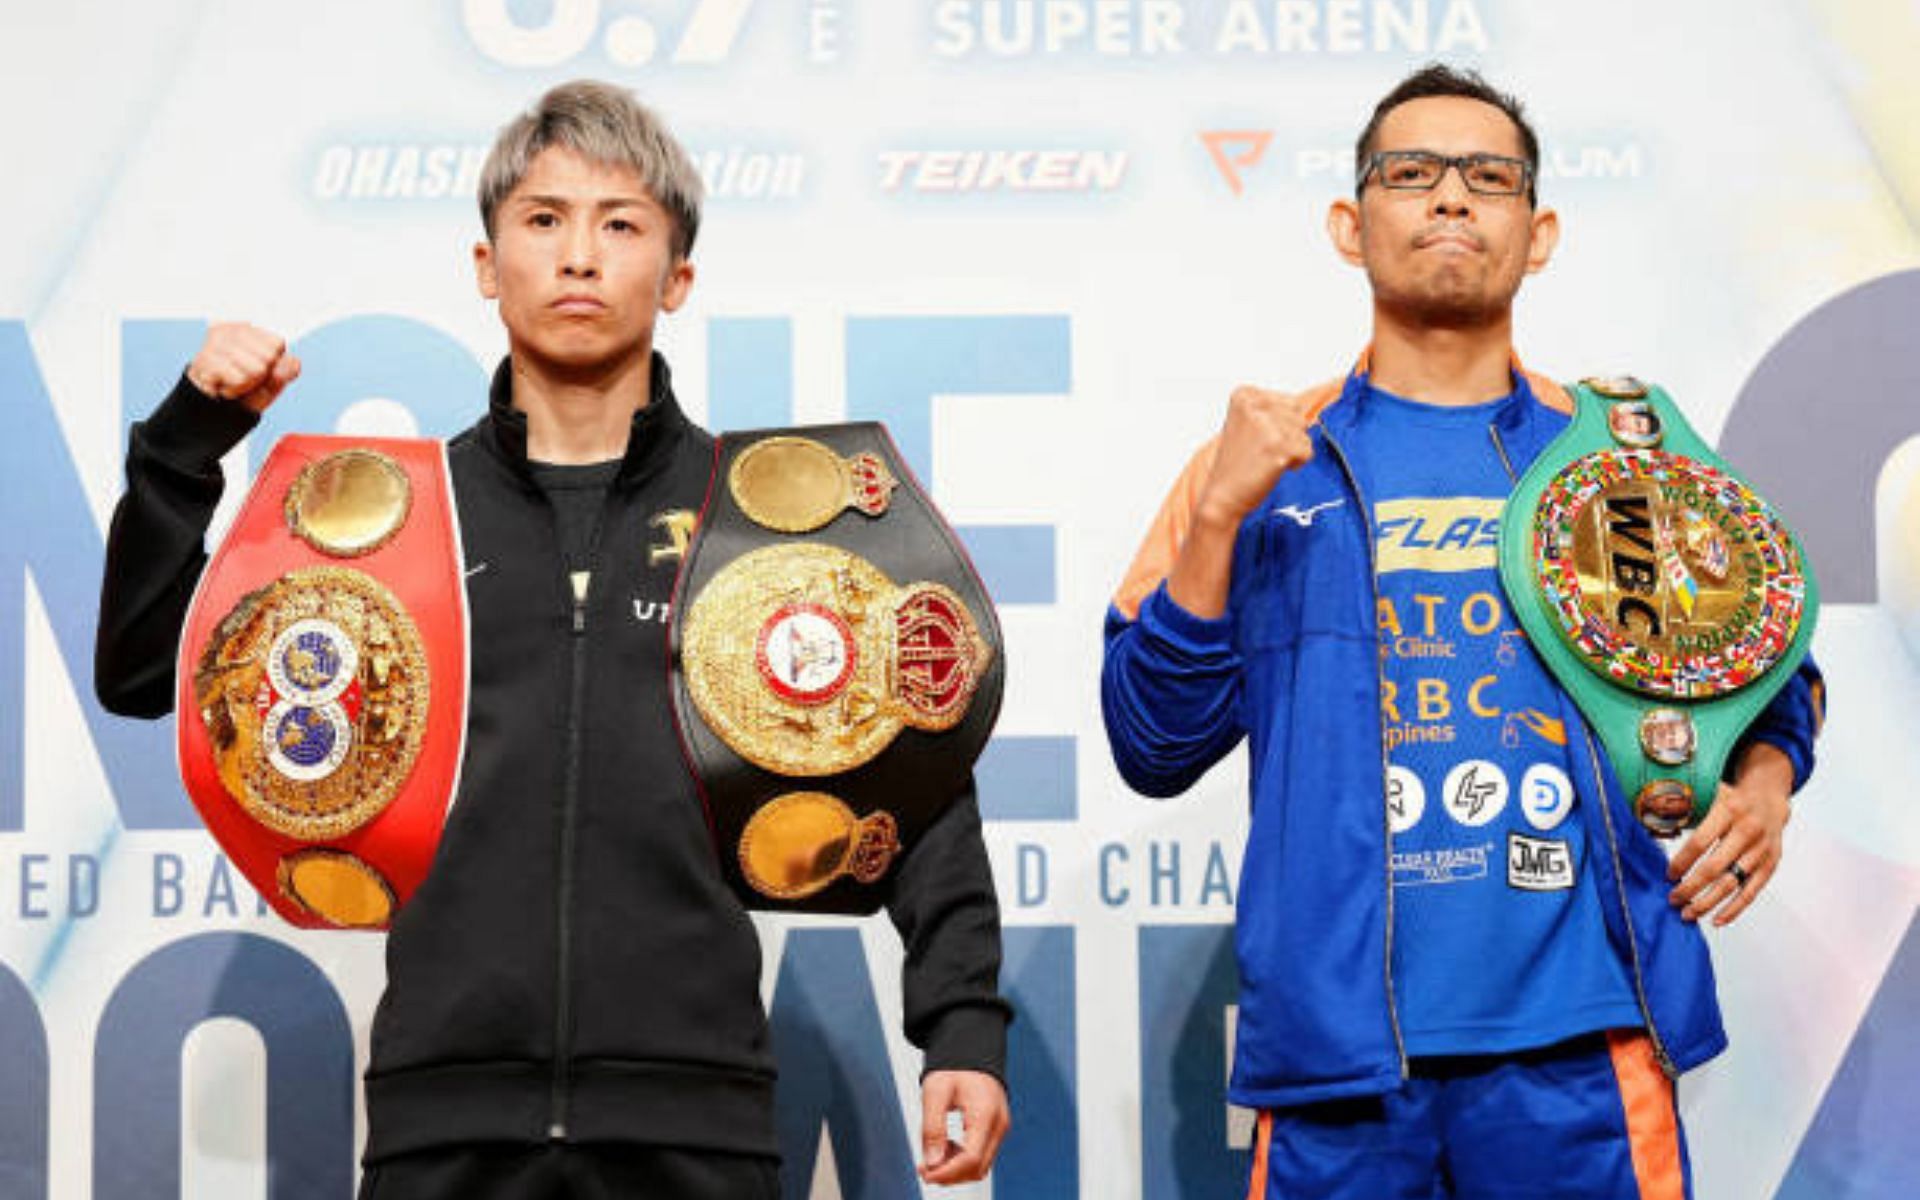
(573, 967)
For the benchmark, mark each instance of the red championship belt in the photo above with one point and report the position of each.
(323, 678)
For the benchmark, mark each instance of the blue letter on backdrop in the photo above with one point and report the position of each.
(136, 1075)
(52, 536)
(834, 1071)
(1041, 1156)
(1187, 982)
(409, 362)
(23, 1093)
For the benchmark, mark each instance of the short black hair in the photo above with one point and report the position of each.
(1439, 79)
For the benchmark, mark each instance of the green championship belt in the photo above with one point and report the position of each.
(1665, 596)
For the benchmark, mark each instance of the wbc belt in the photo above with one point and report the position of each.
(1665, 595)
(323, 677)
(836, 664)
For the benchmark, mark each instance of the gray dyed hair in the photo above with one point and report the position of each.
(607, 125)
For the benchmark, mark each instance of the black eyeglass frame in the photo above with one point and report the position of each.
(1448, 162)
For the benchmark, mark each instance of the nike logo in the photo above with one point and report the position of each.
(476, 569)
(1304, 517)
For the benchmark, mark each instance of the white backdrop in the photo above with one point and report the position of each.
(1043, 239)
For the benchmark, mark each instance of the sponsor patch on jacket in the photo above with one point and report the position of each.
(1445, 864)
(1438, 534)
(1538, 864)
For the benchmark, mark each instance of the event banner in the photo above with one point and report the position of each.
(1042, 240)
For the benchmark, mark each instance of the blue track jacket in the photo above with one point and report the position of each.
(1293, 667)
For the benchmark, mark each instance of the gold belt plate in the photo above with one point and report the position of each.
(799, 842)
(349, 503)
(314, 690)
(807, 660)
(1667, 576)
(797, 485)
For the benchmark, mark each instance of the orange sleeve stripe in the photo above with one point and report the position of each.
(1653, 1128)
(1548, 392)
(1262, 1141)
(1168, 532)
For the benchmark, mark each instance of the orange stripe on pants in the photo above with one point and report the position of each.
(1262, 1139)
(1653, 1128)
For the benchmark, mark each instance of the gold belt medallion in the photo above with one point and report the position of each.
(349, 503)
(807, 660)
(799, 842)
(314, 692)
(797, 485)
(1667, 576)
(338, 888)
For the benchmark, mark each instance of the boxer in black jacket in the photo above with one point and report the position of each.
(573, 1003)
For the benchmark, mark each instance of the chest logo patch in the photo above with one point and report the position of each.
(676, 526)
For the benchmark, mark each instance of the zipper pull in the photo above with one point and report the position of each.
(580, 580)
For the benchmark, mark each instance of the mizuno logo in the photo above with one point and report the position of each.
(1304, 517)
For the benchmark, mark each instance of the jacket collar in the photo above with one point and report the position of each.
(1340, 402)
(656, 428)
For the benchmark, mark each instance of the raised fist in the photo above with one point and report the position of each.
(242, 363)
(1264, 437)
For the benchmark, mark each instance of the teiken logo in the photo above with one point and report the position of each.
(513, 35)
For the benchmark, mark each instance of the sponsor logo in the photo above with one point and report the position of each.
(1475, 792)
(1546, 796)
(1236, 150)
(1538, 865)
(1452, 864)
(1424, 534)
(1406, 799)
(1303, 517)
(402, 171)
(1176, 29)
(1246, 160)
(1546, 728)
(676, 526)
(985, 171)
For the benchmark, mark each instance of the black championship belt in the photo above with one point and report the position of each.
(837, 664)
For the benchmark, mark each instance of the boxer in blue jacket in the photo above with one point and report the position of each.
(1425, 1012)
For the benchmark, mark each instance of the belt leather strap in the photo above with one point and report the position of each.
(1667, 597)
(322, 678)
(837, 664)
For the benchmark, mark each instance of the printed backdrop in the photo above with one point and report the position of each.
(1042, 239)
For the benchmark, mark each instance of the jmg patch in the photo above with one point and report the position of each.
(1538, 864)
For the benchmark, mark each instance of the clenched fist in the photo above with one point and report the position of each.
(1265, 436)
(242, 363)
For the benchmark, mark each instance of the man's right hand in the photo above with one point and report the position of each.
(242, 363)
(1265, 436)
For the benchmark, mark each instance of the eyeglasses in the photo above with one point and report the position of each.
(1422, 171)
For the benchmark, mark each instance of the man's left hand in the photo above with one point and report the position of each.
(982, 1105)
(1733, 853)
